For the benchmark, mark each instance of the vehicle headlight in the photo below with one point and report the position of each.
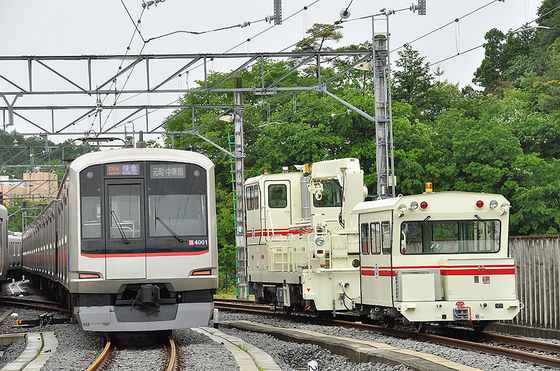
(401, 209)
(319, 240)
(505, 207)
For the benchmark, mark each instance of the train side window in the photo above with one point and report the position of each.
(256, 197)
(375, 231)
(386, 237)
(91, 217)
(364, 238)
(249, 197)
(277, 196)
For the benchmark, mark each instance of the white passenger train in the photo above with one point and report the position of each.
(314, 244)
(130, 241)
(14, 250)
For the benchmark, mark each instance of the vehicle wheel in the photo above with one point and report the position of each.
(419, 327)
(388, 321)
(288, 310)
(478, 329)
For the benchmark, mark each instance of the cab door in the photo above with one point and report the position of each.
(125, 229)
(277, 200)
(376, 272)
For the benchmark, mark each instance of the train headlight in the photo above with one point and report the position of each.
(401, 209)
(356, 263)
(505, 207)
(413, 205)
(493, 204)
(319, 240)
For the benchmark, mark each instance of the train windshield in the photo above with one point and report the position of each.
(177, 204)
(331, 196)
(177, 214)
(144, 207)
(450, 236)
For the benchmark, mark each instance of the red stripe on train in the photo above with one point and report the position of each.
(446, 271)
(149, 255)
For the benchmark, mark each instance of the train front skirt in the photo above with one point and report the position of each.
(112, 318)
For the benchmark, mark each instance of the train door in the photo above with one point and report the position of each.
(125, 231)
(376, 274)
(254, 219)
(277, 207)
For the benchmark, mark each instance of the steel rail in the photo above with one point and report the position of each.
(172, 366)
(348, 322)
(104, 356)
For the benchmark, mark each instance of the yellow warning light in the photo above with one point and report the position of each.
(266, 172)
(429, 187)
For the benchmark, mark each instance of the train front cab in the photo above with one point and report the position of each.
(148, 259)
(301, 245)
(437, 258)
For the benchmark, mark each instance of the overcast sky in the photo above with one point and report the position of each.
(101, 27)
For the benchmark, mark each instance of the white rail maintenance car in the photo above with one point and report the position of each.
(437, 258)
(130, 241)
(302, 238)
(314, 244)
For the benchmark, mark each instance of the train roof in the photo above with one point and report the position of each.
(319, 170)
(450, 196)
(139, 154)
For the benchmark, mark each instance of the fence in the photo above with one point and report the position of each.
(227, 283)
(537, 280)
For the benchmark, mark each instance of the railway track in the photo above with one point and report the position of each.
(33, 303)
(111, 357)
(524, 350)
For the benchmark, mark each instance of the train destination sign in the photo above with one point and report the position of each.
(123, 169)
(158, 171)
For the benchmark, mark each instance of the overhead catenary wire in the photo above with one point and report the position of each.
(519, 29)
(234, 47)
(456, 20)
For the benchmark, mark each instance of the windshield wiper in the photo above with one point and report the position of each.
(119, 227)
(486, 223)
(169, 229)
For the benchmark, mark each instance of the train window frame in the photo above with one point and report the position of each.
(375, 238)
(256, 195)
(426, 244)
(277, 199)
(364, 234)
(249, 198)
(386, 237)
(252, 197)
(331, 196)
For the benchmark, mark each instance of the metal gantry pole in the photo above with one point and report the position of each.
(383, 141)
(240, 192)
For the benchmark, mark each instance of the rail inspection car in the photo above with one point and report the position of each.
(130, 241)
(4, 253)
(437, 258)
(302, 239)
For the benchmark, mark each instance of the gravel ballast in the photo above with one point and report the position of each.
(77, 349)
